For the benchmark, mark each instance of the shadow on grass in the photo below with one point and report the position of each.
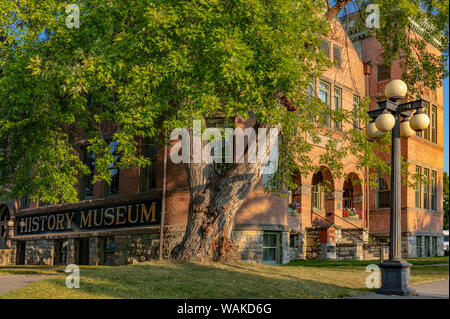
(159, 280)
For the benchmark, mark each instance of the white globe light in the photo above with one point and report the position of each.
(385, 121)
(405, 129)
(420, 121)
(395, 89)
(372, 131)
(10, 223)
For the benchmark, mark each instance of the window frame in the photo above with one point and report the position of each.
(434, 124)
(337, 48)
(148, 174)
(433, 196)
(385, 72)
(115, 180)
(426, 188)
(85, 181)
(276, 248)
(325, 46)
(385, 190)
(356, 103)
(418, 189)
(337, 105)
(328, 99)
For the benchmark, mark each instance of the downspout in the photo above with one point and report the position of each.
(367, 69)
(163, 206)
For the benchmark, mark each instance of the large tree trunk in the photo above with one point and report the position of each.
(214, 202)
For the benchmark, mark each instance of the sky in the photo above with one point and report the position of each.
(446, 122)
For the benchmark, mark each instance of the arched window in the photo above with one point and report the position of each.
(317, 192)
(348, 194)
(383, 194)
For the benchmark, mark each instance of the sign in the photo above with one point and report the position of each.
(93, 218)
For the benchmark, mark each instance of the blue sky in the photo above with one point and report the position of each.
(446, 122)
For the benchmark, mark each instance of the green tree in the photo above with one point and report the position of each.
(152, 66)
(446, 200)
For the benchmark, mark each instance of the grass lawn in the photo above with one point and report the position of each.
(170, 279)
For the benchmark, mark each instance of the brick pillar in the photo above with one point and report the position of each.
(303, 196)
(333, 205)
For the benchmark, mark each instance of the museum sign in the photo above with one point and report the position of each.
(91, 218)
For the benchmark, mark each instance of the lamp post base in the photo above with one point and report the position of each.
(395, 279)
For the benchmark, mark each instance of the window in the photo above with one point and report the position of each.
(61, 250)
(83, 251)
(86, 187)
(434, 124)
(419, 246)
(293, 240)
(356, 100)
(383, 194)
(148, 173)
(434, 246)
(25, 202)
(426, 133)
(271, 166)
(311, 91)
(348, 197)
(427, 247)
(109, 248)
(426, 187)
(113, 187)
(383, 72)
(433, 190)
(324, 95)
(317, 192)
(338, 106)
(325, 47)
(417, 188)
(270, 247)
(337, 55)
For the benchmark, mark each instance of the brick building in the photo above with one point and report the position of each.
(120, 223)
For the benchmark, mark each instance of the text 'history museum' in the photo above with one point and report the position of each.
(119, 223)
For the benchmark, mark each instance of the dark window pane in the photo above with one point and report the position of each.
(337, 55)
(383, 72)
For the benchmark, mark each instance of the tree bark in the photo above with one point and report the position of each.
(333, 11)
(214, 202)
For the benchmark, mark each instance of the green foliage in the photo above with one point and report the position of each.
(135, 71)
(398, 22)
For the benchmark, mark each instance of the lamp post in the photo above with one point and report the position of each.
(391, 115)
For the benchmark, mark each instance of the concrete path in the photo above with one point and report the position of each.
(12, 282)
(430, 290)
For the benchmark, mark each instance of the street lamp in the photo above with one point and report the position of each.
(391, 115)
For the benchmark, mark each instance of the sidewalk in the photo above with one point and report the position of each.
(429, 290)
(12, 282)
